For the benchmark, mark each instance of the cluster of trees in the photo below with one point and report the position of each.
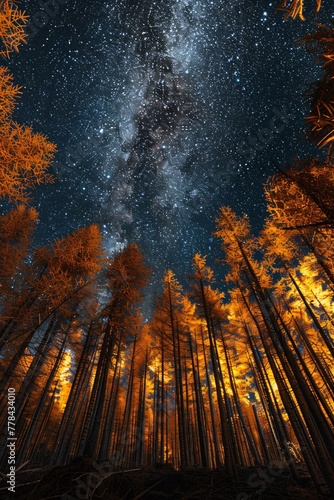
(210, 380)
(239, 379)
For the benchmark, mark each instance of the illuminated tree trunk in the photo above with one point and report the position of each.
(25, 443)
(307, 447)
(126, 436)
(268, 400)
(235, 234)
(240, 415)
(318, 396)
(30, 377)
(323, 370)
(324, 335)
(140, 431)
(199, 406)
(127, 275)
(156, 420)
(224, 420)
(313, 417)
(230, 430)
(39, 438)
(83, 370)
(178, 382)
(163, 412)
(217, 456)
(320, 259)
(91, 432)
(301, 389)
(104, 453)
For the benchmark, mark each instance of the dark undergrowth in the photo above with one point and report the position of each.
(86, 479)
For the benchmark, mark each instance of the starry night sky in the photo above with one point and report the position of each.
(162, 111)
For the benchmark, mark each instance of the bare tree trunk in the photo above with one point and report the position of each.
(198, 399)
(25, 446)
(85, 365)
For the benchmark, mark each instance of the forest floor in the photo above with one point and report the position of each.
(86, 479)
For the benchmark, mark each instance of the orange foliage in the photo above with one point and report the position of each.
(277, 243)
(68, 270)
(127, 275)
(15, 232)
(321, 93)
(24, 156)
(302, 195)
(8, 94)
(295, 8)
(12, 24)
(80, 252)
(55, 280)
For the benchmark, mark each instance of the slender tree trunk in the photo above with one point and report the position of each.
(212, 409)
(26, 440)
(200, 424)
(85, 365)
(324, 335)
(91, 431)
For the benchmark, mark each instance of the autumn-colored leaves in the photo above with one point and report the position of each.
(25, 156)
(320, 93)
(309, 181)
(12, 24)
(295, 8)
(39, 288)
(59, 271)
(212, 378)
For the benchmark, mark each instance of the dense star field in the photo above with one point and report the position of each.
(162, 112)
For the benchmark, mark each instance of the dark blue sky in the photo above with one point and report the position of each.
(162, 112)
